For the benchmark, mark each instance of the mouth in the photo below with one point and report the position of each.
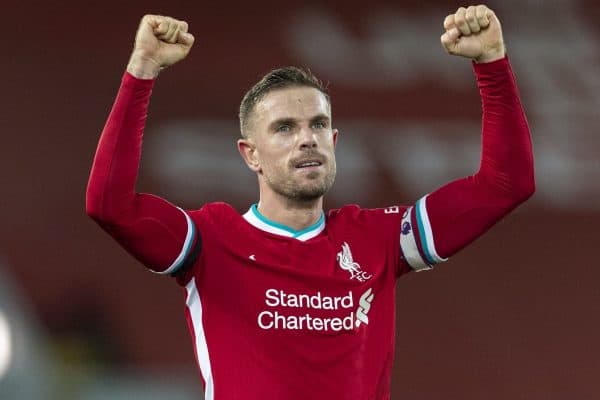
(308, 164)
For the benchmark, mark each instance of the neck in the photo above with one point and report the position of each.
(295, 214)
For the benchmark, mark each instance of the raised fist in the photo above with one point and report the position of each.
(159, 42)
(474, 32)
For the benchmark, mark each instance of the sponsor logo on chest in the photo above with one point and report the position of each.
(282, 312)
(318, 311)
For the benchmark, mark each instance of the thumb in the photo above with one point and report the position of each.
(185, 38)
(449, 39)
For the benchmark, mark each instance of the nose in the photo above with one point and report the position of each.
(307, 139)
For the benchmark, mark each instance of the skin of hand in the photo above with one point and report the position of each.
(474, 32)
(159, 43)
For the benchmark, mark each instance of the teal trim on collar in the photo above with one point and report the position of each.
(292, 231)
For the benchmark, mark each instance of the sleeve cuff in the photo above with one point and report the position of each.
(500, 66)
(133, 82)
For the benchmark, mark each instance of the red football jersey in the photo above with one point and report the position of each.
(276, 313)
(281, 314)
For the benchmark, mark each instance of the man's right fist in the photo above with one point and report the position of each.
(159, 42)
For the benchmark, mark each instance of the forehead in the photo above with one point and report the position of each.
(293, 102)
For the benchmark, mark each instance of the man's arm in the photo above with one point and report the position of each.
(448, 219)
(153, 230)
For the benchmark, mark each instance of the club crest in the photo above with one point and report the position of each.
(346, 262)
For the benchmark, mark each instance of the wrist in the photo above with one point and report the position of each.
(491, 55)
(143, 67)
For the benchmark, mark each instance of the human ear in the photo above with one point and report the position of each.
(248, 152)
(335, 136)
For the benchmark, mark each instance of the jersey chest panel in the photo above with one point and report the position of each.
(326, 304)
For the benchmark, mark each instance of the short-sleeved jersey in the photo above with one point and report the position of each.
(281, 314)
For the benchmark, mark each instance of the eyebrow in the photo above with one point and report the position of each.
(292, 121)
(320, 117)
(281, 121)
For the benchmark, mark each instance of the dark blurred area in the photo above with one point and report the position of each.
(515, 315)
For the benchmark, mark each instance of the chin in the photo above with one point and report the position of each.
(305, 189)
(312, 192)
(310, 195)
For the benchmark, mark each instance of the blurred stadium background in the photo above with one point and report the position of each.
(516, 315)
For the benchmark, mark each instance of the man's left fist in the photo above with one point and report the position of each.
(474, 32)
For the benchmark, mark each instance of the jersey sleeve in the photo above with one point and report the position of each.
(160, 235)
(446, 220)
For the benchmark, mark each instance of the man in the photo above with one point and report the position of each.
(285, 301)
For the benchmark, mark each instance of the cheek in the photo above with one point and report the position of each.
(327, 140)
(276, 163)
(275, 152)
(271, 162)
(328, 145)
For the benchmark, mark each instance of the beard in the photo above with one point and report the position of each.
(309, 188)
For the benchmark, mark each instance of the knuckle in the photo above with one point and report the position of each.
(448, 21)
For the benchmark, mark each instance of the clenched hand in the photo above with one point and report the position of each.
(159, 43)
(474, 32)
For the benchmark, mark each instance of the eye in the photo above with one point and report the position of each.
(320, 125)
(283, 128)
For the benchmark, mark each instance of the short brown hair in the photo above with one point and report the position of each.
(279, 78)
